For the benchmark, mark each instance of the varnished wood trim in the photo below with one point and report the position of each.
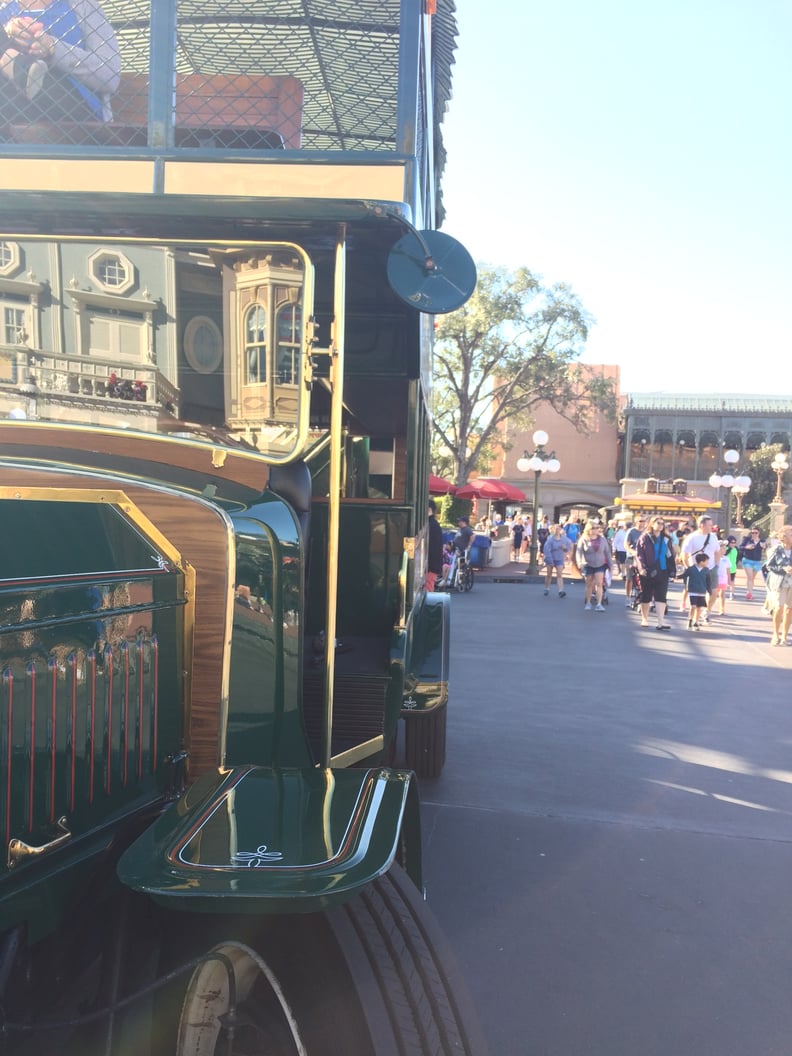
(202, 535)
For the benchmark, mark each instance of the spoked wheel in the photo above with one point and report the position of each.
(235, 1004)
(467, 580)
(370, 978)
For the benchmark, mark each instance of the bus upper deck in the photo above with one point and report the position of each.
(179, 94)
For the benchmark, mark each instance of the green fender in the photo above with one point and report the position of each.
(426, 682)
(260, 840)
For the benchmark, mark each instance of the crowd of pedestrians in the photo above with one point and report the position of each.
(648, 554)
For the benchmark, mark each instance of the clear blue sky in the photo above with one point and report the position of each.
(643, 154)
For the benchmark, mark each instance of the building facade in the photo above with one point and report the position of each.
(590, 462)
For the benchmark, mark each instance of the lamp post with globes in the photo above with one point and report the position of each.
(740, 485)
(540, 463)
(779, 465)
(778, 507)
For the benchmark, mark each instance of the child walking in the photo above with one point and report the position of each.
(695, 580)
(724, 579)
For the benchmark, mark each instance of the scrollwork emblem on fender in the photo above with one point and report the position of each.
(256, 859)
(410, 702)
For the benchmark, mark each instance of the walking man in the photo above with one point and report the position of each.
(704, 540)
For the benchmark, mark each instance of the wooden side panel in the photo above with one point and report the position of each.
(204, 101)
(200, 533)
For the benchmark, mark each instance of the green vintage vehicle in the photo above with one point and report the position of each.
(214, 404)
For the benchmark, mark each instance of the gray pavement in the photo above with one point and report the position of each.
(609, 848)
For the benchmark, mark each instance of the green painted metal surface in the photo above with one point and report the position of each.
(264, 716)
(428, 661)
(90, 692)
(260, 840)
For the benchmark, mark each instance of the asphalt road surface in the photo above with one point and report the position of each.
(609, 848)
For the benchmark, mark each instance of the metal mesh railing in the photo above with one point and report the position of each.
(282, 74)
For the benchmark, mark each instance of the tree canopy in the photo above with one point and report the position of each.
(513, 345)
(763, 483)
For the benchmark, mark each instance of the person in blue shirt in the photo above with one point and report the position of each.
(572, 530)
(696, 578)
(61, 59)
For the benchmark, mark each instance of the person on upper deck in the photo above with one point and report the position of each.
(62, 58)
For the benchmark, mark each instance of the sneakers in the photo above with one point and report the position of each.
(562, 593)
(599, 608)
(587, 607)
(546, 592)
(28, 75)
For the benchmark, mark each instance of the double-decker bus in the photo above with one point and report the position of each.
(218, 268)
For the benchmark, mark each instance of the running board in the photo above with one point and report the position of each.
(258, 840)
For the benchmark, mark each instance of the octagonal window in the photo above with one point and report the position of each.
(9, 258)
(113, 272)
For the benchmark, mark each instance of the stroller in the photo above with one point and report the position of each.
(633, 586)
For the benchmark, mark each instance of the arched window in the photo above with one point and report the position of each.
(663, 455)
(288, 327)
(686, 454)
(709, 454)
(639, 454)
(256, 344)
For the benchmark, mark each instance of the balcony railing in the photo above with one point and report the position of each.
(47, 383)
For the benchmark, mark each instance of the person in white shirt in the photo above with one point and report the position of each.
(619, 547)
(704, 540)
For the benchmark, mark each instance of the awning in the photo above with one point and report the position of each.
(440, 486)
(490, 488)
(648, 501)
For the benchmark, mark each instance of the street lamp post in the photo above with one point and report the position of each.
(539, 462)
(739, 485)
(739, 491)
(779, 465)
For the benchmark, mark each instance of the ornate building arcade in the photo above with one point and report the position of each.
(673, 437)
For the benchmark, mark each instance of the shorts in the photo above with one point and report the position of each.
(654, 587)
(755, 565)
(697, 601)
(555, 564)
(621, 556)
(781, 597)
(589, 570)
(712, 580)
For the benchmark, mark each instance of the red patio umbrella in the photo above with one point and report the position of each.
(440, 486)
(491, 489)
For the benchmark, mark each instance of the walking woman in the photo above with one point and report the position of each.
(656, 564)
(593, 559)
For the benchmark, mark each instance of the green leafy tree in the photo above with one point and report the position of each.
(763, 483)
(513, 345)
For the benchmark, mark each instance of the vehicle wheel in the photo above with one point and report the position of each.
(425, 741)
(414, 998)
(370, 978)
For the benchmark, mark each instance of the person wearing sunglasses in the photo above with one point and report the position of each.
(752, 550)
(656, 564)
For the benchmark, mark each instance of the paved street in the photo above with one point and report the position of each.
(609, 848)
